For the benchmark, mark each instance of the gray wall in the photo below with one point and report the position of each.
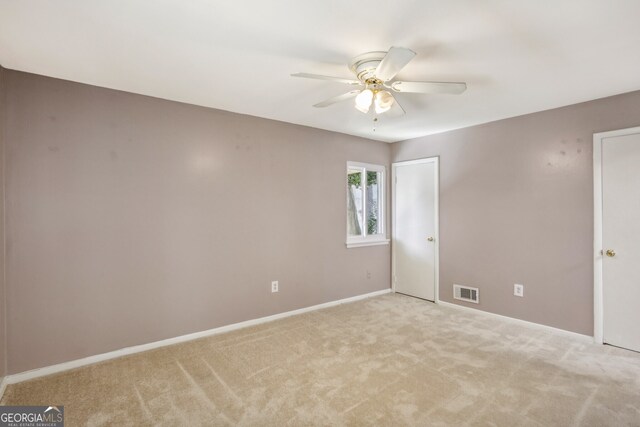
(516, 206)
(132, 219)
(3, 312)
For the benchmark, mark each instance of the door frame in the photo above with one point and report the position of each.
(436, 161)
(598, 285)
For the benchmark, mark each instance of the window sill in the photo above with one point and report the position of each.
(363, 243)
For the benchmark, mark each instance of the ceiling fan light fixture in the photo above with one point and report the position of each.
(383, 101)
(363, 100)
(375, 72)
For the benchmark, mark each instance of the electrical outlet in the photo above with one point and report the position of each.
(274, 286)
(368, 274)
(518, 290)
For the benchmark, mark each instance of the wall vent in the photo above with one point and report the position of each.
(466, 293)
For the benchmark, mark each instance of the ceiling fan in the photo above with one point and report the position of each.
(375, 72)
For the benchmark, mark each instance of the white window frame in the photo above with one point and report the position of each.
(376, 239)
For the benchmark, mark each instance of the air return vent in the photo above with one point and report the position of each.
(466, 293)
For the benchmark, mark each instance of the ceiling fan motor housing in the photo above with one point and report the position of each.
(364, 66)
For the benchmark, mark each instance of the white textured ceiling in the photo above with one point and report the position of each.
(516, 56)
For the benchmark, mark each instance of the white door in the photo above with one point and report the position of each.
(621, 240)
(415, 239)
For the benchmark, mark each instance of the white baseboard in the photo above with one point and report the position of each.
(65, 366)
(582, 337)
(3, 386)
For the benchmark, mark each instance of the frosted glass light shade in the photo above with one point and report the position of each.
(363, 100)
(383, 102)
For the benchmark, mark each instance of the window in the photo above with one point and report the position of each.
(365, 205)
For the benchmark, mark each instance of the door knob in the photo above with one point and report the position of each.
(430, 239)
(610, 253)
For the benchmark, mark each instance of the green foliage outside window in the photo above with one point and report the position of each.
(355, 178)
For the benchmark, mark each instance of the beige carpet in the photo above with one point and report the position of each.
(390, 360)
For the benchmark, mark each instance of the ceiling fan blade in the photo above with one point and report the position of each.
(393, 62)
(429, 87)
(330, 78)
(396, 109)
(339, 98)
